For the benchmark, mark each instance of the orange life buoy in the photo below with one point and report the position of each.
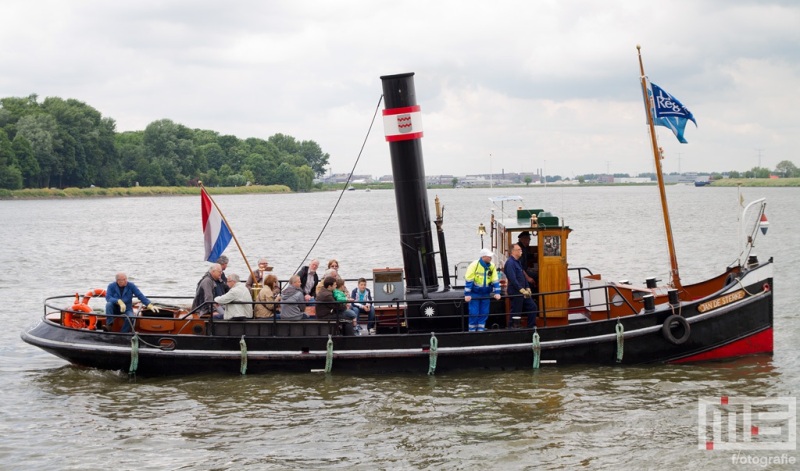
(93, 293)
(76, 321)
(82, 305)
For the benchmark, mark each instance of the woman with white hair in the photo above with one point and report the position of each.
(237, 301)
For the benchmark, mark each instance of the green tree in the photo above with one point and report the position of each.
(454, 182)
(314, 157)
(10, 177)
(170, 145)
(285, 176)
(41, 132)
(304, 176)
(10, 174)
(529, 179)
(786, 169)
(29, 166)
(85, 142)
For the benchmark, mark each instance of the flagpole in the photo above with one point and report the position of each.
(673, 259)
(202, 188)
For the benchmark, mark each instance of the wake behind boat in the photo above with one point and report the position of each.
(423, 319)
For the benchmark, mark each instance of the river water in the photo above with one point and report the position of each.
(55, 416)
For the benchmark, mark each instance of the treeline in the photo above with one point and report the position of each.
(66, 143)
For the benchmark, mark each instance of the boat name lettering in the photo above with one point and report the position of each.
(721, 301)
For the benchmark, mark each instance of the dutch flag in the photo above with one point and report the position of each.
(216, 233)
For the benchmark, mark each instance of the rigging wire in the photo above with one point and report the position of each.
(344, 188)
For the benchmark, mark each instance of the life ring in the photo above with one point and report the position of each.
(428, 308)
(684, 330)
(93, 293)
(71, 320)
(77, 322)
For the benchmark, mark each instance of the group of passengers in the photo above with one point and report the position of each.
(225, 297)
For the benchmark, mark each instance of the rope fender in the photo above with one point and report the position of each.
(243, 347)
(537, 350)
(134, 354)
(329, 355)
(620, 340)
(434, 352)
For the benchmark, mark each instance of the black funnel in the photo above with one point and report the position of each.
(403, 130)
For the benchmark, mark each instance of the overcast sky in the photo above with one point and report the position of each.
(535, 84)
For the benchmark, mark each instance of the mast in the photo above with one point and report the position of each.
(673, 259)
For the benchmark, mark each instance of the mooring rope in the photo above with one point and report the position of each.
(243, 347)
(620, 340)
(434, 352)
(537, 350)
(134, 353)
(329, 355)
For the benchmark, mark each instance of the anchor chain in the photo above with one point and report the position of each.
(434, 352)
(243, 347)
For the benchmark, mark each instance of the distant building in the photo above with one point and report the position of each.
(633, 180)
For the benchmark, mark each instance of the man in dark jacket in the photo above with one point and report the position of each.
(518, 287)
(309, 279)
(329, 309)
(206, 291)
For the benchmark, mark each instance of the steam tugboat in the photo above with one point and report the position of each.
(581, 318)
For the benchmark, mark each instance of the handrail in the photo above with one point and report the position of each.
(399, 305)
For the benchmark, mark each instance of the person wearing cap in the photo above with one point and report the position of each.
(518, 288)
(260, 274)
(482, 283)
(524, 241)
(221, 285)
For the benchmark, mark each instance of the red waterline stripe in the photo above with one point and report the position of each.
(756, 343)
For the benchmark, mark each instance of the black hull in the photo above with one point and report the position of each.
(740, 328)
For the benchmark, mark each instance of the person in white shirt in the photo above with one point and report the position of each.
(238, 293)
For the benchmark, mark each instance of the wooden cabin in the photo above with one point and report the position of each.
(546, 257)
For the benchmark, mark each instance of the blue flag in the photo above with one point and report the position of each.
(667, 111)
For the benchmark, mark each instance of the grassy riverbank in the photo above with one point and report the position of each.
(776, 182)
(51, 193)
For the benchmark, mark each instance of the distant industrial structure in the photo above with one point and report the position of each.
(523, 178)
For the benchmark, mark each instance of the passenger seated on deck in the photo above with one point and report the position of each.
(339, 294)
(204, 296)
(329, 272)
(237, 293)
(119, 300)
(361, 297)
(261, 273)
(293, 301)
(268, 294)
(309, 279)
(328, 308)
